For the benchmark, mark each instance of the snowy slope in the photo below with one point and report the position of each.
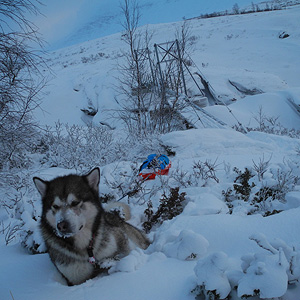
(244, 49)
(72, 22)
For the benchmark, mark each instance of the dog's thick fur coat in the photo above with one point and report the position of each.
(73, 222)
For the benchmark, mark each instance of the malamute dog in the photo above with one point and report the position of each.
(78, 232)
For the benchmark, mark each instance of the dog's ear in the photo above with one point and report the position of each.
(41, 185)
(93, 179)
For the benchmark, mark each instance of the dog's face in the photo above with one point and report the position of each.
(70, 203)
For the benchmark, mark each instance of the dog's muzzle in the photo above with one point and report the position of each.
(64, 229)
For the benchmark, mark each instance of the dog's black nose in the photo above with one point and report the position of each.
(63, 227)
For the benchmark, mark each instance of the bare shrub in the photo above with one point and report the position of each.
(206, 170)
(20, 80)
(261, 167)
(77, 147)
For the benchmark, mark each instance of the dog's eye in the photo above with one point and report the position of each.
(55, 206)
(75, 203)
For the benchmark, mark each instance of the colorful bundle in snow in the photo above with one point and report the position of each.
(155, 165)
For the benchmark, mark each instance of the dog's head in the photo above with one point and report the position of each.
(70, 203)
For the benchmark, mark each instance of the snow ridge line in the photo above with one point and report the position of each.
(294, 105)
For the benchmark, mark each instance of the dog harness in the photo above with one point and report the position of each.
(90, 250)
(98, 267)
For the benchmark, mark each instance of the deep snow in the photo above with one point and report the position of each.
(203, 228)
(245, 49)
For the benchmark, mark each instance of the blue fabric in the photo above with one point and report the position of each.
(155, 161)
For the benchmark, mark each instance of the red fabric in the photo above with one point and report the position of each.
(152, 175)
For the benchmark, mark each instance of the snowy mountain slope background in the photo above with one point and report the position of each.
(244, 49)
(72, 22)
(221, 241)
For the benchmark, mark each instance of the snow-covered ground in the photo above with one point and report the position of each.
(204, 228)
(205, 245)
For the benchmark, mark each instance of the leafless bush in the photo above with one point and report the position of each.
(206, 170)
(144, 107)
(77, 147)
(183, 178)
(11, 233)
(285, 181)
(20, 80)
(202, 173)
(18, 204)
(134, 80)
(271, 125)
(261, 167)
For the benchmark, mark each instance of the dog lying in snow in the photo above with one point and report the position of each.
(78, 232)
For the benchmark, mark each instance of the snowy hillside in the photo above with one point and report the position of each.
(238, 231)
(245, 49)
(72, 22)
